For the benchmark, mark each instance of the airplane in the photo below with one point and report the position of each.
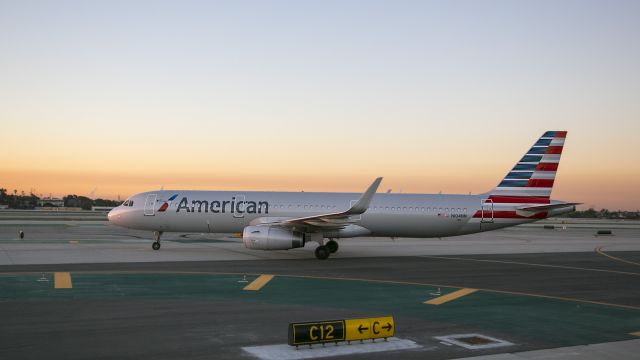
(288, 220)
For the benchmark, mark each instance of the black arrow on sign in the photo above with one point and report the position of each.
(387, 327)
(360, 328)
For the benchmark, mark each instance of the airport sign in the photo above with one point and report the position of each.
(318, 332)
(369, 328)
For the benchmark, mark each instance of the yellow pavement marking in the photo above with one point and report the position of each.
(636, 333)
(377, 281)
(62, 280)
(533, 264)
(599, 251)
(73, 241)
(258, 283)
(450, 296)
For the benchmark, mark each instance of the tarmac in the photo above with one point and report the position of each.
(76, 287)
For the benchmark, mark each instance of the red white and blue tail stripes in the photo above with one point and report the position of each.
(531, 179)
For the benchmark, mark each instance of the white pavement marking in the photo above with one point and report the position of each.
(286, 352)
(613, 350)
(455, 340)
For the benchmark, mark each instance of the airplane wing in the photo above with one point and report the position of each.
(329, 221)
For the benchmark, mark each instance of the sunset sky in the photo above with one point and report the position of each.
(129, 96)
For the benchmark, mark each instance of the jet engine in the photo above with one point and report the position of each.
(271, 238)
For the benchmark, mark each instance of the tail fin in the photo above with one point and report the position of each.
(531, 179)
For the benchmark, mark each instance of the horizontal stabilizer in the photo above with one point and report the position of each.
(546, 207)
(529, 211)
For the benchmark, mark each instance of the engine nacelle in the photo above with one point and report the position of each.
(271, 238)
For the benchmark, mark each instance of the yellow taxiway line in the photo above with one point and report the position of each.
(62, 280)
(258, 283)
(450, 296)
(599, 251)
(378, 281)
(537, 265)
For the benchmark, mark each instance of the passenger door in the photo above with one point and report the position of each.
(150, 205)
(486, 211)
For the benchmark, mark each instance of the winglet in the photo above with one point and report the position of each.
(363, 203)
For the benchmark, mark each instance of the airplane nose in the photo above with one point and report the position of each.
(111, 215)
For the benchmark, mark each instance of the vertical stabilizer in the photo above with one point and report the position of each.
(531, 179)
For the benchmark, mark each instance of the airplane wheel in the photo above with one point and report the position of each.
(322, 252)
(332, 245)
(156, 245)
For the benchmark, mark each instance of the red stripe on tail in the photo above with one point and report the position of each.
(540, 183)
(547, 167)
(520, 199)
(554, 150)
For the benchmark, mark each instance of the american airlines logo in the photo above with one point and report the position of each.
(164, 206)
(224, 206)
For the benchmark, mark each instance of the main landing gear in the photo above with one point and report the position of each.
(156, 244)
(332, 245)
(323, 251)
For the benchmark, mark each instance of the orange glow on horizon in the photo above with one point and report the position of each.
(569, 187)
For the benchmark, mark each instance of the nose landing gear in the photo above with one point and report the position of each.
(156, 244)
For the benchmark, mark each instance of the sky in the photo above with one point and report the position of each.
(111, 98)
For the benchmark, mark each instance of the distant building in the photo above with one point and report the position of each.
(50, 201)
(4, 206)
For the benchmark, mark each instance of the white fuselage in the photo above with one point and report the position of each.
(388, 215)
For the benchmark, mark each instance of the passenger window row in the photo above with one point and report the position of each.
(421, 209)
(378, 208)
(306, 207)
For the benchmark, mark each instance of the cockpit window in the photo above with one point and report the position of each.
(131, 203)
(128, 203)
